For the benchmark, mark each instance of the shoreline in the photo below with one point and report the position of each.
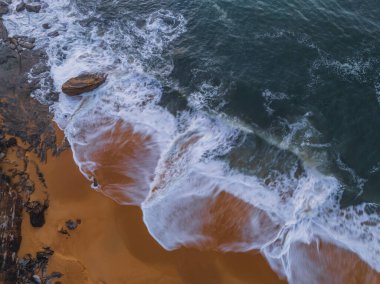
(112, 243)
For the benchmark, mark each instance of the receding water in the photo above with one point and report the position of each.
(235, 125)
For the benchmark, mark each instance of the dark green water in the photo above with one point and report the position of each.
(319, 59)
(275, 104)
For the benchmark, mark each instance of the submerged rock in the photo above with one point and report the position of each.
(46, 26)
(35, 8)
(20, 7)
(83, 83)
(53, 34)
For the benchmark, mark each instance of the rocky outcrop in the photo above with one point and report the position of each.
(3, 8)
(84, 83)
(23, 117)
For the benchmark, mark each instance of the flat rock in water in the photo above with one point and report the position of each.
(83, 83)
(34, 8)
(53, 34)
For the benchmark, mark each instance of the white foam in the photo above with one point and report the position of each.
(179, 175)
(270, 97)
(377, 90)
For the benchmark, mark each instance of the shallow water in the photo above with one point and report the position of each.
(235, 125)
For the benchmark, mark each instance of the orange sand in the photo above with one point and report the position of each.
(112, 245)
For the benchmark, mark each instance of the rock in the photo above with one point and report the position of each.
(31, 270)
(13, 41)
(83, 83)
(3, 31)
(36, 212)
(53, 34)
(2, 156)
(34, 8)
(20, 7)
(25, 38)
(63, 231)
(46, 26)
(11, 142)
(3, 8)
(26, 44)
(72, 225)
(36, 279)
(54, 275)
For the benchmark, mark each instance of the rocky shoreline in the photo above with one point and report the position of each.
(24, 121)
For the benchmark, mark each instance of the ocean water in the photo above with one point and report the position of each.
(235, 125)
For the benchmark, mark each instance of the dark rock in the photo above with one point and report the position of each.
(20, 7)
(36, 279)
(33, 270)
(19, 39)
(36, 212)
(13, 41)
(46, 26)
(3, 8)
(95, 182)
(45, 254)
(54, 96)
(34, 8)
(3, 31)
(28, 120)
(72, 225)
(63, 231)
(26, 44)
(11, 142)
(83, 83)
(54, 275)
(53, 34)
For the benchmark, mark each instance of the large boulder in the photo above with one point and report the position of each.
(84, 83)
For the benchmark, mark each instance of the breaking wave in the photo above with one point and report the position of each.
(184, 170)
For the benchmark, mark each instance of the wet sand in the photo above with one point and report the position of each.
(112, 245)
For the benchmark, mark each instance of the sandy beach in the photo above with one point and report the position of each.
(112, 245)
(227, 142)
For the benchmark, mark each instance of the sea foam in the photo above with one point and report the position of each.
(174, 167)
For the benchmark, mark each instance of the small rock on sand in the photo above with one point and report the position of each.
(72, 224)
(85, 82)
(36, 212)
